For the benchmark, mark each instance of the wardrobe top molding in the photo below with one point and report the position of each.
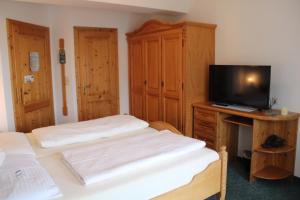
(153, 26)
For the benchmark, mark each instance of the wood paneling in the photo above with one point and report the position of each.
(137, 73)
(199, 53)
(33, 101)
(96, 72)
(152, 63)
(172, 77)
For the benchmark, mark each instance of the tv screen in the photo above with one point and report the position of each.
(240, 85)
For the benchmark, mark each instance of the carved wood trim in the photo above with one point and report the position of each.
(156, 25)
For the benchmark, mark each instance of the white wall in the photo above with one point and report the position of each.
(61, 21)
(259, 32)
(137, 6)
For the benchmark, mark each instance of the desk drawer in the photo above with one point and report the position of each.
(206, 127)
(205, 115)
(206, 131)
(208, 136)
(210, 143)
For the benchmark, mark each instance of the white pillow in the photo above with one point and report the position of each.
(2, 156)
(15, 143)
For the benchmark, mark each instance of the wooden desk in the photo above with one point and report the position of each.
(220, 126)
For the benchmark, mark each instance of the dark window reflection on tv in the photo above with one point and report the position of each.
(242, 85)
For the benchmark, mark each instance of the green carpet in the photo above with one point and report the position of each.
(239, 188)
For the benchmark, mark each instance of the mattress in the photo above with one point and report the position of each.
(141, 184)
(138, 185)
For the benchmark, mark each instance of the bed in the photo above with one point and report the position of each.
(210, 181)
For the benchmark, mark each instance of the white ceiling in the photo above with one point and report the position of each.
(138, 6)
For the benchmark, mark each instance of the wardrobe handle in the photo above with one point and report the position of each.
(18, 93)
(145, 82)
(22, 98)
(162, 84)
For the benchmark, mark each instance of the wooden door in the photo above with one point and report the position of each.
(137, 79)
(96, 72)
(172, 78)
(31, 88)
(152, 63)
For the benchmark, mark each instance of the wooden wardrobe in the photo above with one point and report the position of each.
(168, 70)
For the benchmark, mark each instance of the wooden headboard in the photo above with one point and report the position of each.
(159, 125)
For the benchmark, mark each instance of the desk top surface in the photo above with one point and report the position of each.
(273, 115)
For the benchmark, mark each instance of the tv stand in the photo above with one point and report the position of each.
(235, 107)
(220, 104)
(219, 126)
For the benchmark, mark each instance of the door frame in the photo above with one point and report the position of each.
(77, 62)
(14, 85)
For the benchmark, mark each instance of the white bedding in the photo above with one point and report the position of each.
(23, 178)
(142, 184)
(42, 152)
(2, 156)
(146, 183)
(101, 162)
(15, 143)
(79, 132)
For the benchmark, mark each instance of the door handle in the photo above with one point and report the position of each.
(85, 88)
(19, 96)
(22, 100)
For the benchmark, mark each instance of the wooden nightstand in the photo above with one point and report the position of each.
(220, 127)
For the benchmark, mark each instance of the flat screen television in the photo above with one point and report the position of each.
(240, 85)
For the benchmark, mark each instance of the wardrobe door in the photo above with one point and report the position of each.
(137, 79)
(172, 78)
(152, 60)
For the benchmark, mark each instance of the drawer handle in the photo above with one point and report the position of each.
(207, 125)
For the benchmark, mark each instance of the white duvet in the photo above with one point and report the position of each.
(15, 143)
(87, 130)
(101, 162)
(2, 156)
(23, 178)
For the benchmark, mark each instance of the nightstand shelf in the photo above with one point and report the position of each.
(284, 149)
(272, 173)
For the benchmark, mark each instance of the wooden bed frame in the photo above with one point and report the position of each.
(205, 184)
